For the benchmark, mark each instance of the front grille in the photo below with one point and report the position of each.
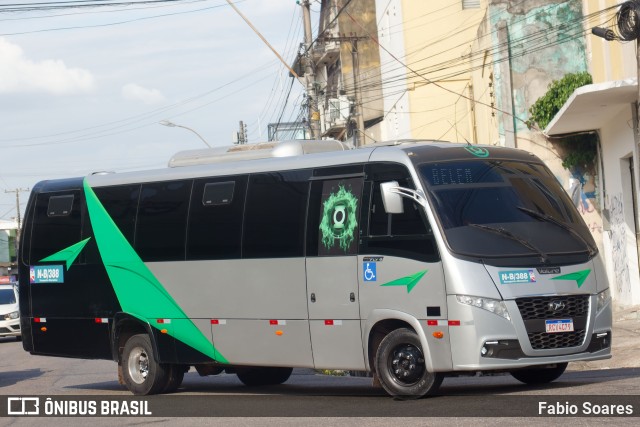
(545, 341)
(536, 310)
(4, 330)
(538, 307)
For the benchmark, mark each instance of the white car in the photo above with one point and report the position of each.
(9, 313)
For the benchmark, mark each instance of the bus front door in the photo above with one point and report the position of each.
(332, 274)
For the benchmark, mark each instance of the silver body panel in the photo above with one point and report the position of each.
(334, 320)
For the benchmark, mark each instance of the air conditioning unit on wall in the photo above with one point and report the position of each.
(338, 109)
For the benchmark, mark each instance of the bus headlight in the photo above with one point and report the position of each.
(12, 315)
(492, 305)
(603, 299)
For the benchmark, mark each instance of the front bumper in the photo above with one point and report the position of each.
(10, 328)
(485, 341)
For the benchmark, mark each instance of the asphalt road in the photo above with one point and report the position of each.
(312, 399)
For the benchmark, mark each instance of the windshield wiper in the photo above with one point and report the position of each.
(545, 217)
(506, 233)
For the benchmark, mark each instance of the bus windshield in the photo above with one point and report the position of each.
(502, 208)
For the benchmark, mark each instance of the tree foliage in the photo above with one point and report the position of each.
(547, 106)
(579, 150)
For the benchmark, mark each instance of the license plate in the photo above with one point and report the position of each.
(558, 325)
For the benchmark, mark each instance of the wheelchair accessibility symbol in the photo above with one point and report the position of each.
(369, 270)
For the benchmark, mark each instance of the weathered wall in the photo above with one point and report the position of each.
(360, 20)
(389, 15)
(437, 38)
(619, 240)
(539, 52)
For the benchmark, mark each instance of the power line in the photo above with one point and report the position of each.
(419, 73)
(99, 11)
(56, 5)
(496, 48)
(111, 24)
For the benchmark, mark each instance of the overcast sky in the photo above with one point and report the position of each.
(83, 90)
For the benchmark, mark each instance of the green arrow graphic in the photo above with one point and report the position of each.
(67, 255)
(408, 281)
(139, 292)
(578, 276)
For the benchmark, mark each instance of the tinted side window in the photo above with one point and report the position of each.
(162, 220)
(275, 215)
(218, 193)
(121, 203)
(60, 205)
(215, 218)
(54, 233)
(405, 235)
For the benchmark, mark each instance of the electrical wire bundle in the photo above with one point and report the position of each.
(628, 20)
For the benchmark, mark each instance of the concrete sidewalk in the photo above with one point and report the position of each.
(626, 343)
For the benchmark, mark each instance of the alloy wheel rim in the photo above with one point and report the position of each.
(138, 365)
(406, 364)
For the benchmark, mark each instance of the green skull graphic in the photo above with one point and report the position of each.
(339, 221)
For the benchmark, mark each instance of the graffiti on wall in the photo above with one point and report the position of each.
(618, 237)
(583, 194)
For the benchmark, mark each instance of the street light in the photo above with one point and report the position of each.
(173, 125)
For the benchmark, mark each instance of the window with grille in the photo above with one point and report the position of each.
(471, 4)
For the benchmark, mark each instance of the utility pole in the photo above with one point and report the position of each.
(242, 133)
(360, 138)
(17, 191)
(309, 73)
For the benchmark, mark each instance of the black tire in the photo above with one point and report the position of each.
(175, 375)
(401, 367)
(142, 373)
(539, 375)
(263, 376)
(19, 338)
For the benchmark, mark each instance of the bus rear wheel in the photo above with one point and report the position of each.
(263, 376)
(401, 368)
(539, 375)
(141, 371)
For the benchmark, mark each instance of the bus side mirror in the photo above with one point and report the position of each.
(391, 199)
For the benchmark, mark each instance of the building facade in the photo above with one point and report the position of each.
(609, 107)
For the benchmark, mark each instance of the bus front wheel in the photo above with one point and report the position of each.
(401, 368)
(539, 375)
(141, 371)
